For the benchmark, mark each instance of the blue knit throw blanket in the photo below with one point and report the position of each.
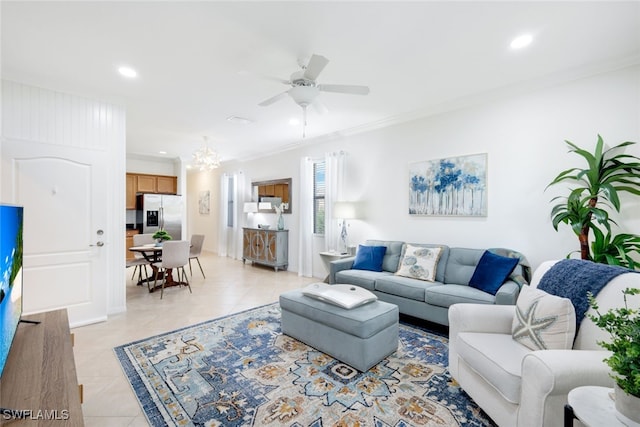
(574, 278)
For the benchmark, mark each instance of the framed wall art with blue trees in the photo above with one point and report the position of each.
(455, 186)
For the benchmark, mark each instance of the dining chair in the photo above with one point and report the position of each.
(175, 255)
(196, 249)
(139, 262)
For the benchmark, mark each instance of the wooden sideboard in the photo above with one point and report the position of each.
(267, 247)
(39, 378)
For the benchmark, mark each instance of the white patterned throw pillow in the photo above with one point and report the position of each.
(419, 262)
(543, 321)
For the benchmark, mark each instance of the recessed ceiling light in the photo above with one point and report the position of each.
(521, 41)
(162, 152)
(128, 72)
(294, 122)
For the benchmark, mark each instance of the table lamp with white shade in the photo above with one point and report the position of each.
(250, 208)
(344, 211)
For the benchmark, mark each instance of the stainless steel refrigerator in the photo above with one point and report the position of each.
(156, 211)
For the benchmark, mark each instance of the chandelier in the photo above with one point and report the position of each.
(205, 158)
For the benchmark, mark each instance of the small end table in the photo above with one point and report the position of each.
(329, 256)
(593, 406)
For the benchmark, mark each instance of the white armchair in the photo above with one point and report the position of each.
(517, 386)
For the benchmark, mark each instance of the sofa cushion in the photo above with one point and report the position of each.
(369, 258)
(461, 264)
(543, 321)
(419, 262)
(495, 357)
(391, 256)
(491, 272)
(442, 261)
(404, 287)
(363, 278)
(446, 295)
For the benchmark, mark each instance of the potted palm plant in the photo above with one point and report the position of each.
(585, 209)
(623, 326)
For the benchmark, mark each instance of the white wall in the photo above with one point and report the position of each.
(152, 165)
(206, 224)
(523, 136)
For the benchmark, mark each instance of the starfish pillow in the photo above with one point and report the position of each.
(543, 321)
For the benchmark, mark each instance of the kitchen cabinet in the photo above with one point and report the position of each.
(146, 183)
(275, 190)
(131, 191)
(167, 184)
(129, 243)
(281, 191)
(266, 247)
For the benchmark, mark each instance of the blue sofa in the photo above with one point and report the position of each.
(431, 300)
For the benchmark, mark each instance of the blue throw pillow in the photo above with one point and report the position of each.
(491, 272)
(369, 258)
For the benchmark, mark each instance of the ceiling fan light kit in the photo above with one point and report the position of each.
(304, 95)
(304, 90)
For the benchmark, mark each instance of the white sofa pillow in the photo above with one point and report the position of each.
(419, 262)
(543, 321)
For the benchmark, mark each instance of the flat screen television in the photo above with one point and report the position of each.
(11, 224)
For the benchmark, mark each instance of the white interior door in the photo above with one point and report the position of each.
(62, 190)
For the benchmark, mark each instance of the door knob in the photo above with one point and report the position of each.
(98, 244)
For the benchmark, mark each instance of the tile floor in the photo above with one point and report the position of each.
(229, 287)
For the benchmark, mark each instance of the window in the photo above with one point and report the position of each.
(230, 198)
(318, 196)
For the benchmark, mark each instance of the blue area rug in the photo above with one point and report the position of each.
(241, 370)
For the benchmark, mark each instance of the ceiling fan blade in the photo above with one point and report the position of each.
(264, 77)
(319, 107)
(275, 79)
(273, 99)
(350, 89)
(315, 66)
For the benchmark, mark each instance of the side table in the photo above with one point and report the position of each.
(593, 406)
(329, 256)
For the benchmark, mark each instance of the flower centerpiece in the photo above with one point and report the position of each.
(623, 325)
(160, 236)
(279, 209)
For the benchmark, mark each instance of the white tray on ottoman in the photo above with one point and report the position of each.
(360, 337)
(345, 296)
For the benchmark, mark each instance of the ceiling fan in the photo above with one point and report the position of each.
(305, 90)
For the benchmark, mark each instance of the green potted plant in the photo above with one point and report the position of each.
(585, 209)
(623, 326)
(160, 236)
(616, 250)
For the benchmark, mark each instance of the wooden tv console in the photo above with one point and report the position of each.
(40, 375)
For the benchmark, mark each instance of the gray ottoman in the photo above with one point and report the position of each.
(360, 337)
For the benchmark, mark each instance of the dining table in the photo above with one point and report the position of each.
(153, 254)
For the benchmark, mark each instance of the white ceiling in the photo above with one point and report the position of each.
(201, 62)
